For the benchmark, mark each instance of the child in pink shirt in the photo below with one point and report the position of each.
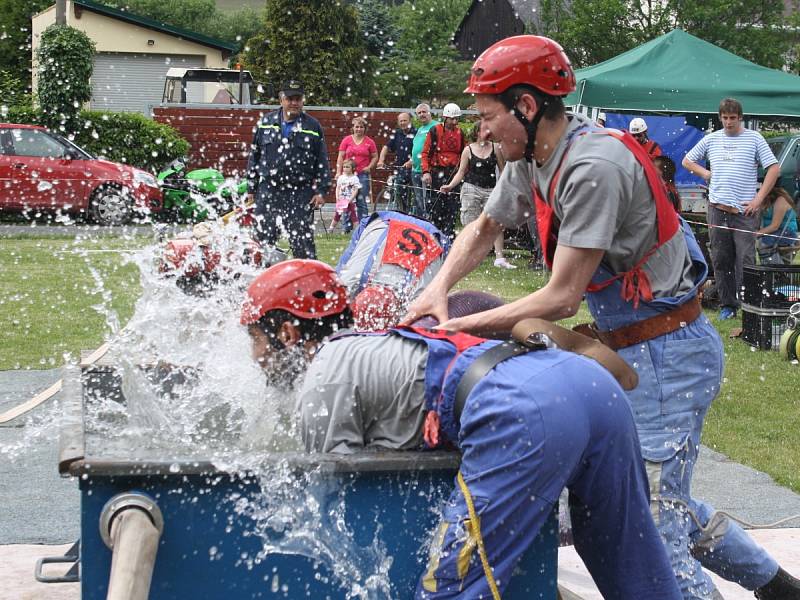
(347, 186)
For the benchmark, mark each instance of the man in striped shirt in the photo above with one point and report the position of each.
(733, 155)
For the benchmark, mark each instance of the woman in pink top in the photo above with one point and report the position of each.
(362, 149)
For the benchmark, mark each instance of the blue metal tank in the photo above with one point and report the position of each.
(210, 548)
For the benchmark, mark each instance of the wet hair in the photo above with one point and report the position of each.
(777, 192)
(667, 167)
(553, 105)
(730, 106)
(310, 329)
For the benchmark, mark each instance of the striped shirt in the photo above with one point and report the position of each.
(733, 161)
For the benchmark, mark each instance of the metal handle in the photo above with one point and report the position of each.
(71, 556)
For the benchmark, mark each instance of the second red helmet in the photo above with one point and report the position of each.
(308, 289)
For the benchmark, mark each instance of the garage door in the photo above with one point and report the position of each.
(130, 82)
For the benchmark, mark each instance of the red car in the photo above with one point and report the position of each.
(42, 172)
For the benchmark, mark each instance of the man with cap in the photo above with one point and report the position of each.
(540, 420)
(609, 233)
(288, 173)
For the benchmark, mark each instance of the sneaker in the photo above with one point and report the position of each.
(727, 312)
(504, 264)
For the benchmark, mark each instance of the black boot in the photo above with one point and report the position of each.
(781, 587)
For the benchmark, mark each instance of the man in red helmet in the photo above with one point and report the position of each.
(528, 423)
(610, 234)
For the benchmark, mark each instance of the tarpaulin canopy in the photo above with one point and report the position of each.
(680, 73)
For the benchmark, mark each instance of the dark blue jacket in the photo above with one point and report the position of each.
(297, 162)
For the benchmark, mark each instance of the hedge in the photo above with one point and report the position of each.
(129, 138)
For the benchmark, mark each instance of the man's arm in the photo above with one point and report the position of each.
(382, 157)
(469, 249)
(696, 169)
(689, 161)
(771, 176)
(558, 299)
(462, 170)
(323, 179)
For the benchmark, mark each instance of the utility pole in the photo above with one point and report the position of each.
(61, 12)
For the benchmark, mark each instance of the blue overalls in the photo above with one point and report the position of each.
(679, 377)
(536, 423)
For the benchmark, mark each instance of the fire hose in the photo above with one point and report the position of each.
(131, 525)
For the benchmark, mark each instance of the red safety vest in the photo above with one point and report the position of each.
(652, 148)
(635, 283)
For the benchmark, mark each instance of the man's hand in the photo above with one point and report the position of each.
(407, 164)
(381, 165)
(446, 188)
(753, 207)
(430, 302)
(317, 200)
(426, 179)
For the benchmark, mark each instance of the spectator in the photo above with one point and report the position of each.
(288, 173)
(347, 186)
(480, 161)
(441, 155)
(666, 166)
(779, 219)
(733, 154)
(601, 119)
(362, 149)
(420, 189)
(401, 145)
(638, 129)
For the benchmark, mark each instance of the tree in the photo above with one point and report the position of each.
(64, 59)
(425, 66)
(752, 29)
(15, 37)
(318, 42)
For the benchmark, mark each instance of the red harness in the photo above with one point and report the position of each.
(635, 283)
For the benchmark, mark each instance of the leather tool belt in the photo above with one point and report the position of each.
(529, 335)
(647, 329)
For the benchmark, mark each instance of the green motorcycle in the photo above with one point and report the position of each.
(192, 196)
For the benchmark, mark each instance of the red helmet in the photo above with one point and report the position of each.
(522, 59)
(305, 288)
(376, 308)
(179, 254)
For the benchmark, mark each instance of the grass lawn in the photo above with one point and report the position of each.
(47, 291)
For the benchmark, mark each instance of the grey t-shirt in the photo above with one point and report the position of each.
(363, 391)
(603, 201)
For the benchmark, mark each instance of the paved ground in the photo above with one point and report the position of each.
(41, 510)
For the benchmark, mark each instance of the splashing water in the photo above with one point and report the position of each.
(193, 393)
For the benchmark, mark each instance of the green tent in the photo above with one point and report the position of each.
(679, 73)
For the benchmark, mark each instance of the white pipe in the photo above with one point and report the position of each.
(135, 543)
(131, 526)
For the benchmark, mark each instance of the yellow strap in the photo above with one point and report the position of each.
(487, 570)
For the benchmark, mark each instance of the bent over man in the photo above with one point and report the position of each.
(609, 232)
(535, 423)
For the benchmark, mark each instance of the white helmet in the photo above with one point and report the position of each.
(602, 117)
(637, 126)
(451, 111)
